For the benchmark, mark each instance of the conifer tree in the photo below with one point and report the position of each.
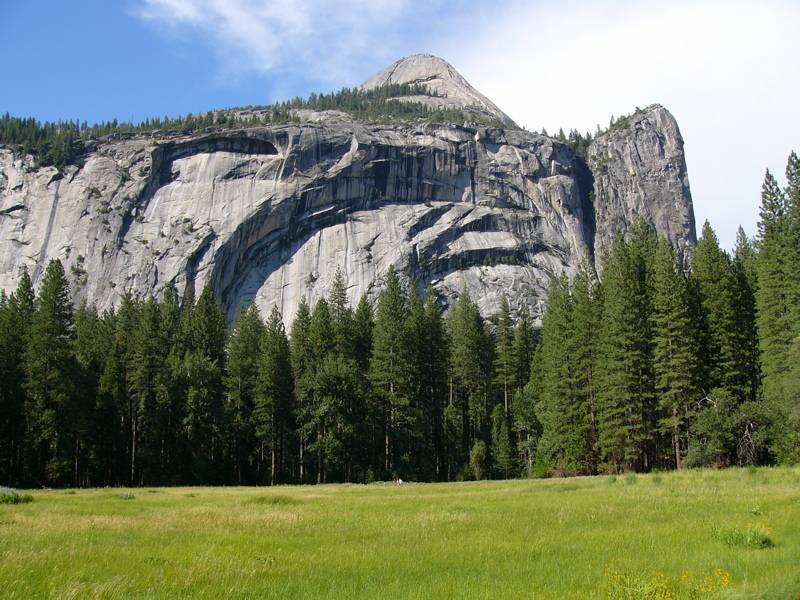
(321, 344)
(776, 308)
(505, 363)
(300, 351)
(273, 398)
(433, 374)
(390, 371)
(342, 316)
(91, 346)
(49, 369)
(203, 365)
(148, 420)
(362, 334)
(243, 359)
(502, 451)
(725, 341)
(624, 393)
(745, 278)
(169, 389)
(560, 408)
(471, 370)
(524, 345)
(15, 318)
(586, 315)
(675, 362)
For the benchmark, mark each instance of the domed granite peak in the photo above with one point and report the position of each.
(442, 79)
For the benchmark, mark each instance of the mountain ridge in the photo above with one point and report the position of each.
(440, 77)
(268, 213)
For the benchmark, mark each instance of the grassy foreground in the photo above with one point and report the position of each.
(700, 534)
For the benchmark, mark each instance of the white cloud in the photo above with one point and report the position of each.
(726, 69)
(325, 40)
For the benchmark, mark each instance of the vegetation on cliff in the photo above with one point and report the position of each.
(62, 142)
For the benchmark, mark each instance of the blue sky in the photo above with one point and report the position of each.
(727, 69)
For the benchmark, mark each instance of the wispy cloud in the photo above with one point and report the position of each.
(324, 40)
(727, 69)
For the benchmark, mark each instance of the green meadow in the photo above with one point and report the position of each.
(695, 534)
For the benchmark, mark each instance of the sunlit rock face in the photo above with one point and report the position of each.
(269, 214)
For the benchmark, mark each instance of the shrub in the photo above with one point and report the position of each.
(754, 536)
(274, 500)
(13, 497)
(630, 478)
(477, 459)
(541, 467)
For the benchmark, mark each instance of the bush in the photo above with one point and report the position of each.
(274, 500)
(630, 478)
(12, 497)
(477, 459)
(755, 537)
(541, 467)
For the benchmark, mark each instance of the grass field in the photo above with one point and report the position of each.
(699, 534)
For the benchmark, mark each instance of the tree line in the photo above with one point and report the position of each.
(666, 362)
(157, 392)
(61, 143)
(671, 362)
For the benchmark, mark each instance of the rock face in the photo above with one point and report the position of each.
(268, 214)
(639, 171)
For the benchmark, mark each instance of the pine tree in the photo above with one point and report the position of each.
(560, 408)
(433, 374)
(390, 366)
(624, 392)
(725, 342)
(791, 445)
(321, 344)
(776, 300)
(91, 346)
(300, 350)
(774, 331)
(524, 345)
(203, 365)
(243, 359)
(745, 281)
(675, 362)
(15, 321)
(49, 369)
(336, 408)
(505, 363)
(148, 421)
(110, 440)
(273, 399)
(342, 316)
(471, 350)
(586, 315)
(502, 451)
(170, 389)
(362, 334)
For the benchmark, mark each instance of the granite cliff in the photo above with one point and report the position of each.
(269, 213)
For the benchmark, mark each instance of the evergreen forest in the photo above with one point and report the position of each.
(664, 361)
(62, 143)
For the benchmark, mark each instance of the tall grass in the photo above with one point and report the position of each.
(686, 535)
(15, 498)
